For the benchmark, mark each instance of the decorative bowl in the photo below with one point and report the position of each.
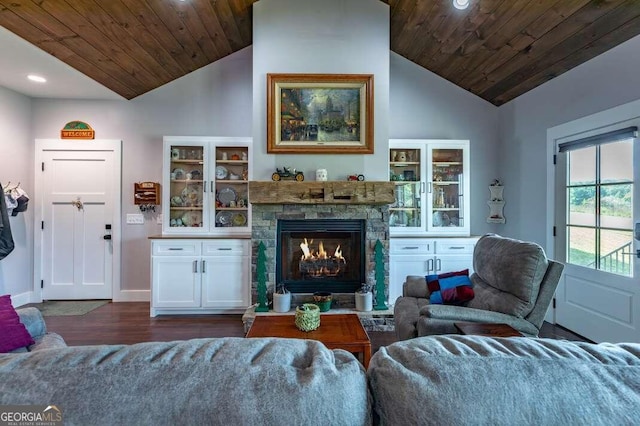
(323, 300)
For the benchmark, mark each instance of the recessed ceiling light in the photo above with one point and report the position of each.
(460, 4)
(36, 78)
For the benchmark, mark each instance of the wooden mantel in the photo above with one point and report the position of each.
(330, 192)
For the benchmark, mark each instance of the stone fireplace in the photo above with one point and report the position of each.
(285, 213)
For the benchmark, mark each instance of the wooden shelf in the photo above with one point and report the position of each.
(187, 161)
(187, 181)
(186, 208)
(404, 163)
(232, 162)
(446, 163)
(329, 192)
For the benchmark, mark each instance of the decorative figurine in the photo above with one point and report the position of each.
(287, 173)
(321, 175)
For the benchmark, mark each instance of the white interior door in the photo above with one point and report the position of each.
(80, 185)
(597, 205)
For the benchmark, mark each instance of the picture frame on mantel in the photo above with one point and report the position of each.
(320, 113)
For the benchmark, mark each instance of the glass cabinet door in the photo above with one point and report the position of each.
(447, 192)
(406, 169)
(187, 187)
(431, 178)
(231, 185)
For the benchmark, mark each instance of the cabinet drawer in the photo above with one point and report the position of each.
(408, 247)
(176, 248)
(225, 247)
(454, 247)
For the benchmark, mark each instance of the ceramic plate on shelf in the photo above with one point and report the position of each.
(191, 219)
(221, 172)
(227, 195)
(191, 195)
(179, 173)
(239, 219)
(223, 218)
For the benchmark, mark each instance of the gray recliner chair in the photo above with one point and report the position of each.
(513, 282)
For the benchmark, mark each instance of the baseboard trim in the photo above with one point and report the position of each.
(133, 296)
(22, 299)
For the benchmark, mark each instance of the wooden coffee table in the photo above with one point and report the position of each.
(487, 329)
(336, 331)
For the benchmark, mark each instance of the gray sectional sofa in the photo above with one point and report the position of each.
(439, 380)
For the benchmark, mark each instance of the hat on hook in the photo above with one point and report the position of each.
(22, 200)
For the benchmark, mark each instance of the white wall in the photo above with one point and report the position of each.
(426, 106)
(328, 37)
(606, 81)
(215, 100)
(16, 165)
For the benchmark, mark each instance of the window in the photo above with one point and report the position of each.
(599, 210)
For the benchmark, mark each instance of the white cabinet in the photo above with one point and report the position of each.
(432, 187)
(205, 185)
(199, 276)
(426, 256)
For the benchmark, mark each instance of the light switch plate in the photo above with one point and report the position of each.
(135, 219)
(159, 219)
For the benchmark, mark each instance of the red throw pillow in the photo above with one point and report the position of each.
(451, 288)
(13, 334)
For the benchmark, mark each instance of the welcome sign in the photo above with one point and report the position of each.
(77, 130)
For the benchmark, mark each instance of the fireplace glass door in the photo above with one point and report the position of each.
(320, 255)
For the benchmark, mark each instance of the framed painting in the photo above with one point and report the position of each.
(320, 113)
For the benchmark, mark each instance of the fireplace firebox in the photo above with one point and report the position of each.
(320, 255)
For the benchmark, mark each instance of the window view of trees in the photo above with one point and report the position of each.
(600, 207)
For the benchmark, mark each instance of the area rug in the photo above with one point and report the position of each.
(57, 308)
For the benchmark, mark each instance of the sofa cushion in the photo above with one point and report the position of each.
(507, 275)
(451, 288)
(445, 380)
(233, 381)
(13, 334)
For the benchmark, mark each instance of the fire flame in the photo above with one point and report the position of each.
(320, 263)
(309, 254)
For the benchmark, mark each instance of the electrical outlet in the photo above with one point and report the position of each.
(135, 219)
(159, 219)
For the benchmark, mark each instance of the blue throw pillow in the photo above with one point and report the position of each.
(451, 288)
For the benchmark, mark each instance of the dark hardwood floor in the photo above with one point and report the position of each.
(127, 323)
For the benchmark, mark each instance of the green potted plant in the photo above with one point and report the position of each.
(281, 299)
(364, 298)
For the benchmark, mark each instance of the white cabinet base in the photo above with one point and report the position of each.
(427, 256)
(209, 276)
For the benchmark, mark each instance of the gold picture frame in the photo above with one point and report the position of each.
(320, 113)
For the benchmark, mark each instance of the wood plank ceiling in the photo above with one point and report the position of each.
(496, 49)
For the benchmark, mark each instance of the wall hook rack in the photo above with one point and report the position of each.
(146, 195)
